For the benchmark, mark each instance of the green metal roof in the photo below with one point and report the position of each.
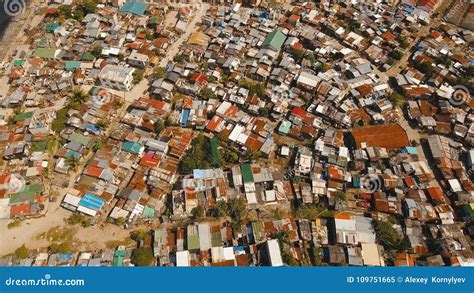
(51, 27)
(258, 230)
(246, 173)
(118, 258)
(42, 43)
(193, 242)
(17, 63)
(72, 65)
(87, 56)
(33, 188)
(215, 151)
(132, 147)
(285, 127)
(77, 137)
(274, 40)
(28, 196)
(137, 8)
(23, 116)
(45, 53)
(216, 239)
(148, 212)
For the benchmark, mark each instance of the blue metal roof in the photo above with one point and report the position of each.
(137, 8)
(184, 117)
(91, 201)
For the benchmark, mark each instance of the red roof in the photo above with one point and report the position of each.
(21, 209)
(199, 78)
(297, 111)
(93, 171)
(214, 122)
(386, 136)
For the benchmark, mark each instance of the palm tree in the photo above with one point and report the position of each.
(79, 96)
(72, 162)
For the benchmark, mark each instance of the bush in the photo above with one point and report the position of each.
(235, 208)
(16, 223)
(59, 248)
(142, 256)
(22, 252)
(255, 88)
(138, 235)
(78, 219)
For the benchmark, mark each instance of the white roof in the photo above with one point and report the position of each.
(87, 211)
(274, 253)
(236, 132)
(370, 254)
(229, 253)
(72, 200)
(182, 259)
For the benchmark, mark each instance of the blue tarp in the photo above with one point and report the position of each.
(92, 128)
(91, 201)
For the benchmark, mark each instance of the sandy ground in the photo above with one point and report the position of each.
(28, 230)
(90, 238)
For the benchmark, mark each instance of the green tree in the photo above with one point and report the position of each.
(59, 248)
(65, 12)
(22, 252)
(219, 210)
(142, 256)
(255, 88)
(158, 126)
(237, 209)
(403, 42)
(79, 96)
(389, 238)
(298, 54)
(121, 221)
(138, 75)
(158, 72)
(263, 112)
(197, 212)
(199, 157)
(102, 123)
(310, 56)
(395, 54)
(207, 93)
(96, 51)
(139, 235)
(396, 99)
(424, 67)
